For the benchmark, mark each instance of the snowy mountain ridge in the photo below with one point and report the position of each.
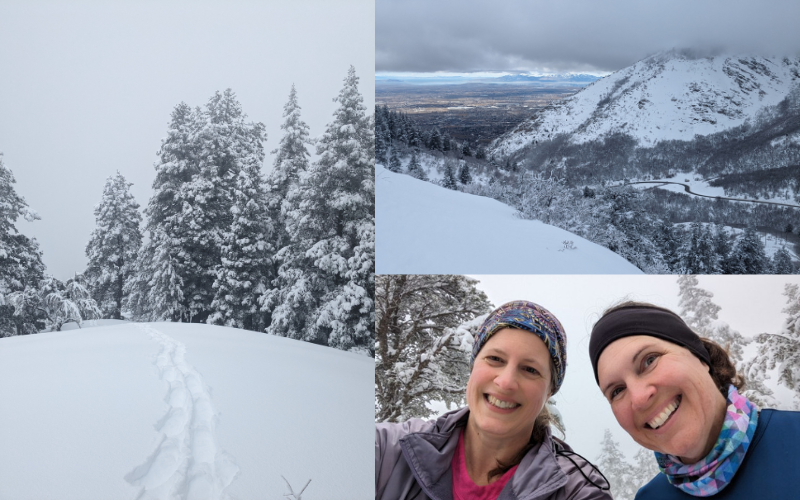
(672, 95)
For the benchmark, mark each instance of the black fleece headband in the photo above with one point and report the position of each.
(642, 320)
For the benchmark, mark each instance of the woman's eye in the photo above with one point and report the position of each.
(649, 360)
(614, 393)
(493, 359)
(531, 370)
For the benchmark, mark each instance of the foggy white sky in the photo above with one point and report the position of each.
(87, 88)
(750, 304)
(572, 35)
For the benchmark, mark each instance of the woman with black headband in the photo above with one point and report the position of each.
(678, 395)
(499, 446)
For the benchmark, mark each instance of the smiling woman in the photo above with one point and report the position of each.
(500, 445)
(678, 395)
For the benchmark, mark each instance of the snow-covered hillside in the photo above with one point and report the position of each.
(671, 95)
(423, 228)
(180, 411)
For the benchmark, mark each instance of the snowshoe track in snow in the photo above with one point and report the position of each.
(187, 464)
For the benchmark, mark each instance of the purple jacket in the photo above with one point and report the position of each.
(413, 462)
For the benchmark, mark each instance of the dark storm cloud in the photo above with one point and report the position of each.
(572, 35)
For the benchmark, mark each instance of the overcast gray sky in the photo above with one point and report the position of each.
(571, 35)
(87, 88)
(750, 304)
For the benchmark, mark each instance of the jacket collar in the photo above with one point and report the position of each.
(430, 454)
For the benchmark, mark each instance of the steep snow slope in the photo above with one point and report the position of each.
(169, 410)
(423, 228)
(671, 95)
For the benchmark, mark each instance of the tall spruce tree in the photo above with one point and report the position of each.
(114, 246)
(162, 259)
(243, 274)
(291, 159)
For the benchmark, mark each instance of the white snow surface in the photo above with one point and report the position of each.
(182, 411)
(422, 228)
(667, 96)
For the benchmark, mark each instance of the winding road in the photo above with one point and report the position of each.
(686, 188)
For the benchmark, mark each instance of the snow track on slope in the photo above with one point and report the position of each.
(187, 464)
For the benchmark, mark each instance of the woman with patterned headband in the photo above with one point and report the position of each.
(499, 446)
(678, 395)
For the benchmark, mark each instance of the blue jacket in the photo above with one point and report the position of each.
(771, 467)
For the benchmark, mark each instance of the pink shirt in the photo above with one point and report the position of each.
(463, 486)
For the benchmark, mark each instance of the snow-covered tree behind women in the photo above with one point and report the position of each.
(421, 355)
(114, 245)
(781, 350)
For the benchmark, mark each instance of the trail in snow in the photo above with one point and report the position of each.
(187, 464)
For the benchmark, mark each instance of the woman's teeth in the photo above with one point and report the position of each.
(500, 404)
(661, 418)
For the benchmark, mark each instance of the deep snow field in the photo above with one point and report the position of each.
(182, 411)
(424, 228)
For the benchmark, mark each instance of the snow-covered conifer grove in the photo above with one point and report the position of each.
(292, 254)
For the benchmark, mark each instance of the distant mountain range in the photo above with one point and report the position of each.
(673, 111)
(566, 79)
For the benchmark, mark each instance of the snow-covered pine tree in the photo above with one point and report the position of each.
(155, 293)
(168, 228)
(114, 246)
(20, 260)
(243, 274)
(415, 169)
(645, 468)
(781, 350)
(435, 142)
(701, 314)
(291, 158)
(697, 255)
(748, 255)
(449, 179)
(464, 175)
(326, 278)
(615, 468)
(419, 354)
(722, 248)
(782, 262)
(394, 161)
(209, 196)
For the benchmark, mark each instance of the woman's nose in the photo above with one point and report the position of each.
(641, 394)
(507, 378)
